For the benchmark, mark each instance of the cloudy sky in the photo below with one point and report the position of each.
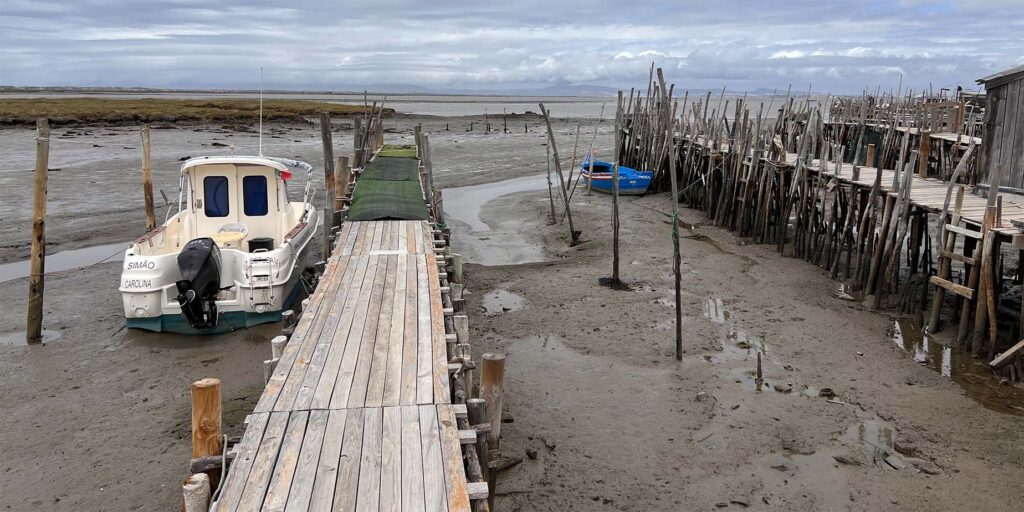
(835, 46)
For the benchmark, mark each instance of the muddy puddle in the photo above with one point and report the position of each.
(66, 260)
(499, 301)
(740, 349)
(17, 338)
(497, 243)
(972, 375)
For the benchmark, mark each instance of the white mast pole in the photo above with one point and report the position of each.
(261, 112)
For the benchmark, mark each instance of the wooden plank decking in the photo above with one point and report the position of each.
(358, 413)
(929, 193)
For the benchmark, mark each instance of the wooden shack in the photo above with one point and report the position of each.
(1003, 141)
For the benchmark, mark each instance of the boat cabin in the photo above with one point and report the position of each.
(240, 202)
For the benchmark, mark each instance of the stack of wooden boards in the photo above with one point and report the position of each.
(358, 413)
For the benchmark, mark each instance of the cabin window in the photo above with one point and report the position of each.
(254, 195)
(215, 192)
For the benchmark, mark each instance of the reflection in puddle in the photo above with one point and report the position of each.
(66, 260)
(972, 375)
(17, 338)
(739, 348)
(495, 244)
(501, 301)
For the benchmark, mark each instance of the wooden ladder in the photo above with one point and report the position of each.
(947, 255)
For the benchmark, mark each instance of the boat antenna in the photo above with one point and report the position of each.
(261, 112)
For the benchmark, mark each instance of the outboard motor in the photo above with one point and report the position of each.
(199, 263)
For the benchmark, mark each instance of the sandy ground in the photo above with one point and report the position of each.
(98, 419)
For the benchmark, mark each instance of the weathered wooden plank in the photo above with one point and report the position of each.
(434, 493)
(370, 462)
(963, 231)
(958, 289)
(391, 461)
(368, 342)
(263, 464)
(301, 341)
(451, 452)
(410, 233)
(231, 493)
(287, 459)
(1007, 356)
(374, 395)
(348, 465)
(424, 343)
(337, 377)
(396, 335)
(309, 461)
(411, 335)
(412, 460)
(322, 496)
(346, 288)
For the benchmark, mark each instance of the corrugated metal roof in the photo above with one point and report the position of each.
(1001, 77)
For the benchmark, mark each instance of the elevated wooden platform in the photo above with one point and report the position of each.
(358, 413)
(929, 194)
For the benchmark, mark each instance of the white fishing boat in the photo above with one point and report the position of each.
(232, 256)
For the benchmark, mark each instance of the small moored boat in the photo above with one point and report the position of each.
(231, 257)
(631, 181)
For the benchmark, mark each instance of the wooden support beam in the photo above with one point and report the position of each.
(34, 326)
(1007, 356)
(147, 180)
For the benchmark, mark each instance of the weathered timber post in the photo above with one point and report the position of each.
(457, 276)
(206, 422)
(925, 148)
(196, 493)
(492, 382)
(342, 176)
(574, 236)
(34, 327)
(328, 143)
(147, 180)
(277, 345)
(476, 410)
(869, 161)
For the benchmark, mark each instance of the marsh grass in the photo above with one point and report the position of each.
(74, 111)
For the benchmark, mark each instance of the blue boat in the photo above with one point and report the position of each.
(631, 181)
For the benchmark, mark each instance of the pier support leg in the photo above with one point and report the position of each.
(34, 326)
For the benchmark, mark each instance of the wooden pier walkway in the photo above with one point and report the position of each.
(929, 194)
(358, 413)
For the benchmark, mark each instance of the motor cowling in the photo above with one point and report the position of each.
(199, 264)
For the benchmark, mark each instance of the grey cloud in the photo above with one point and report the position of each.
(834, 46)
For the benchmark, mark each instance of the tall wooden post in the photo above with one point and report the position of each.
(492, 387)
(869, 161)
(925, 148)
(147, 180)
(34, 327)
(573, 235)
(328, 143)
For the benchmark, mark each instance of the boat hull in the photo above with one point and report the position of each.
(627, 186)
(227, 321)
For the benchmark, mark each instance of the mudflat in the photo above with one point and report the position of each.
(604, 417)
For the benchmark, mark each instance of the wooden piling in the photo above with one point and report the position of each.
(34, 326)
(573, 234)
(328, 147)
(206, 418)
(196, 493)
(147, 179)
(492, 389)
